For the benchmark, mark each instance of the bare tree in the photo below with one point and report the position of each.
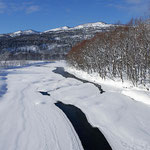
(121, 53)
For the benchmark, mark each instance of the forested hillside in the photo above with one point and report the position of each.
(121, 53)
(51, 44)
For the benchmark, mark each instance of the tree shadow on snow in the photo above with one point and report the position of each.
(3, 85)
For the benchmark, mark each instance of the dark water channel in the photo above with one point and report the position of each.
(90, 137)
(44, 93)
(61, 71)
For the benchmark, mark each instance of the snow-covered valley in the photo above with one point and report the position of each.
(31, 121)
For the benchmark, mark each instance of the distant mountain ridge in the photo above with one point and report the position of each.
(87, 25)
(26, 32)
(53, 43)
(58, 29)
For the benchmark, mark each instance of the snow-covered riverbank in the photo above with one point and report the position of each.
(140, 93)
(30, 120)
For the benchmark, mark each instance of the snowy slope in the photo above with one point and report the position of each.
(58, 29)
(93, 25)
(140, 93)
(26, 32)
(83, 26)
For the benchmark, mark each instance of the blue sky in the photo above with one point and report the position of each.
(43, 15)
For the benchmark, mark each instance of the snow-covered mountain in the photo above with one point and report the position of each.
(97, 25)
(26, 32)
(58, 29)
(93, 25)
(53, 43)
(83, 26)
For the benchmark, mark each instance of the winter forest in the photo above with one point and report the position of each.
(123, 52)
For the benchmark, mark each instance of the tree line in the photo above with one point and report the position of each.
(123, 52)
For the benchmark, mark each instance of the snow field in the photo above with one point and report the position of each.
(30, 120)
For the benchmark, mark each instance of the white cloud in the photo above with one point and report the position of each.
(32, 9)
(134, 1)
(16, 7)
(2, 7)
(134, 7)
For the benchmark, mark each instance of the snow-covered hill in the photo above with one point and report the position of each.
(83, 26)
(93, 25)
(58, 29)
(53, 43)
(26, 32)
(65, 28)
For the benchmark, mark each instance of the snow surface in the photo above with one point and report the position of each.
(1, 35)
(31, 121)
(32, 48)
(140, 93)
